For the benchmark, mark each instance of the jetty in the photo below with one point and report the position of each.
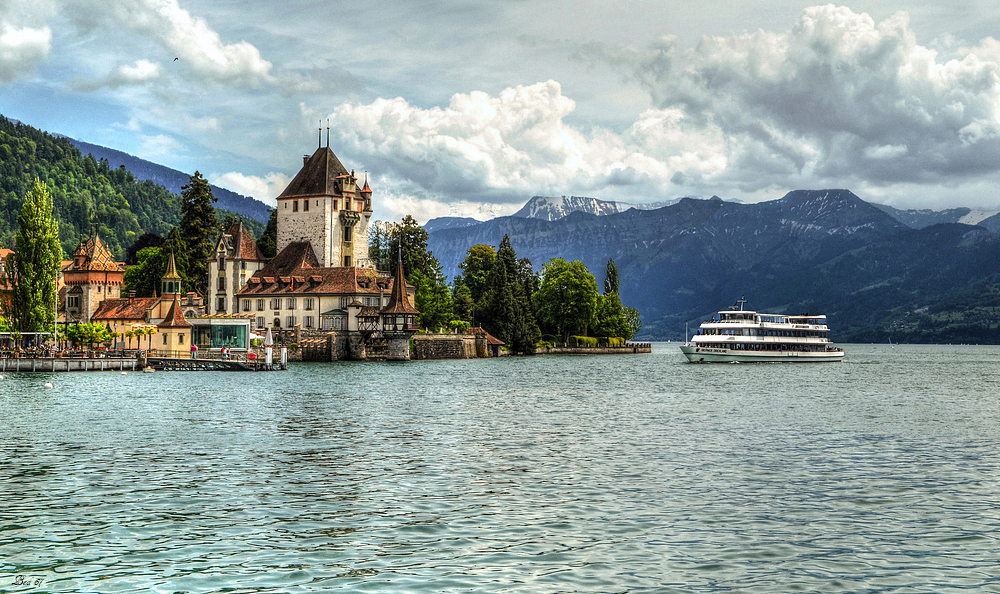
(133, 362)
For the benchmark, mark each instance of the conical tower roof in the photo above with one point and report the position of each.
(174, 317)
(171, 269)
(399, 303)
(318, 176)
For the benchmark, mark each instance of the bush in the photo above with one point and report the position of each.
(460, 326)
(543, 344)
(613, 341)
(583, 341)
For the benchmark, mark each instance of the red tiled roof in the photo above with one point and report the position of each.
(296, 256)
(175, 317)
(124, 309)
(317, 177)
(298, 262)
(242, 242)
(490, 339)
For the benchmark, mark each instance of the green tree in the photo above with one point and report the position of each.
(610, 319)
(611, 278)
(505, 310)
(199, 229)
(566, 301)
(145, 240)
(462, 302)
(88, 334)
(416, 256)
(32, 275)
(476, 269)
(433, 300)
(151, 264)
(268, 241)
(432, 297)
(379, 252)
(144, 277)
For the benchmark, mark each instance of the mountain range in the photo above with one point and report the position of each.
(865, 266)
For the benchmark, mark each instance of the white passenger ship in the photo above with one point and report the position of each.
(743, 336)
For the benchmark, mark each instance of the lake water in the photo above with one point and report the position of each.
(547, 474)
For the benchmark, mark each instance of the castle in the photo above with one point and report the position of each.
(321, 279)
(321, 283)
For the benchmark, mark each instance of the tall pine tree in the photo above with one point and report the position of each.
(504, 309)
(199, 229)
(268, 241)
(32, 274)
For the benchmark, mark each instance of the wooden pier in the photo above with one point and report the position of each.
(60, 364)
(172, 364)
(137, 364)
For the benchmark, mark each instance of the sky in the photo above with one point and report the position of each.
(470, 108)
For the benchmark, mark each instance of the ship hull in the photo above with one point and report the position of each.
(700, 354)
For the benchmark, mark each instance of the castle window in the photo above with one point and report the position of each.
(347, 260)
(334, 205)
(180, 338)
(73, 301)
(347, 233)
(221, 305)
(276, 303)
(344, 301)
(260, 306)
(277, 323)
(222, 284)
(305, 205)
(243, 265)
(260, 322)
(165, 340)
(222, 263)
(290, 303)
(246, 305)
(295, 206)
(308, 302)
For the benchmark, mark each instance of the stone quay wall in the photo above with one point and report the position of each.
(447, 346)
(628, 349)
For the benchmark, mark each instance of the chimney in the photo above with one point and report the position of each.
(305, 159)
(131, 295)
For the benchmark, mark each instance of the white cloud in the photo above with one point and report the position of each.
(836, 98)
(266, 189)
(143, 71)
(21, 49)
(518, 143)
(190, 39)
(159, 145)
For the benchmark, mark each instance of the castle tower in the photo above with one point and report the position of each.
(324, 206)
(92, 277)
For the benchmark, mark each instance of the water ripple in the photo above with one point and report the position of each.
(575, 474)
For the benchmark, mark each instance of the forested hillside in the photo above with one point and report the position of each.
(174, 180)
(86, 192)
